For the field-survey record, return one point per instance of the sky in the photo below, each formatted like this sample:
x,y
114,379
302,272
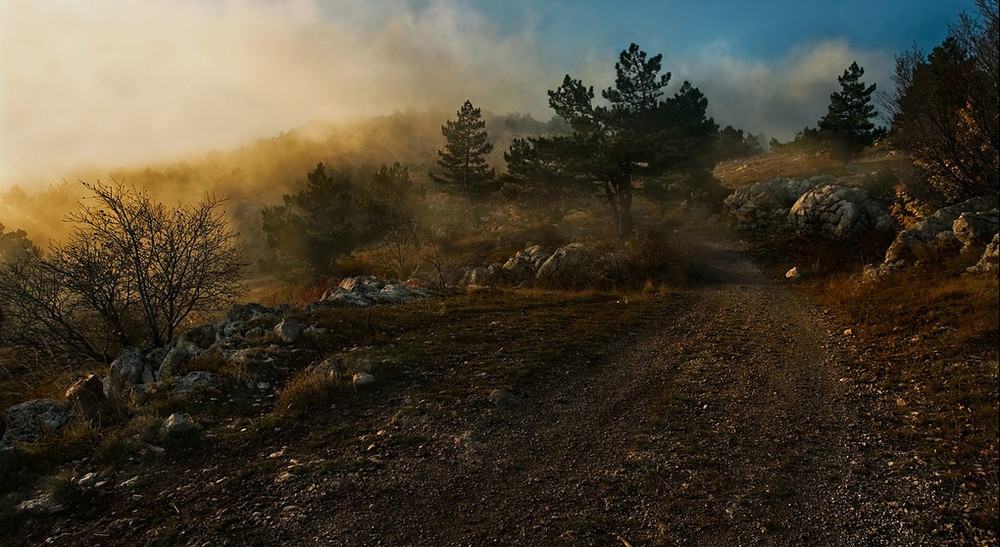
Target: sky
x,y
113,82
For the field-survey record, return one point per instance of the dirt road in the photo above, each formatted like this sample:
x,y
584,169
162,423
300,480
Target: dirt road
x,y
733,422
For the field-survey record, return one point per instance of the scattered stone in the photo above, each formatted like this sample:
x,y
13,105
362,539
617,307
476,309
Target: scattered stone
x,y
178,425
849,332
289,331
86,398
363,379
130,369
193,382
198,338
794,273
29,421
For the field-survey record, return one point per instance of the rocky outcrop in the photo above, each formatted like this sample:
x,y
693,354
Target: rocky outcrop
x,y
765,205
935,231
990,261
129,370
524,265
976,229
366,290
577,266
836,211
29,422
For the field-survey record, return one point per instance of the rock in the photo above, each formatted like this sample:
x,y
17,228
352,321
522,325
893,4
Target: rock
x,y
836,211
197,338
243,317
480,276
332,366
130,369
848,332
177,426
990,261
501,399
364,291
913,243
793,273
523,266
363,379
193,382
289,331
28,422
86,398
176,358
765,205
976,229
577,266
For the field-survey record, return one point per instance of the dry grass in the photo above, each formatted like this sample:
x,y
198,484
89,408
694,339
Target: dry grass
x,y
932,341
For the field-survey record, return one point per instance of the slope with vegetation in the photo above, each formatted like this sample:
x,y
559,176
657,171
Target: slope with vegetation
x,y
858,405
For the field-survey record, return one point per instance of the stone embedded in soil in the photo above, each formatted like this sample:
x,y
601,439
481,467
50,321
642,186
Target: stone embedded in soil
x,y
363,379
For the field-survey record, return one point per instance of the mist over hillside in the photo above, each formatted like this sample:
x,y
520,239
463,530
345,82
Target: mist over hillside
x,y
258,173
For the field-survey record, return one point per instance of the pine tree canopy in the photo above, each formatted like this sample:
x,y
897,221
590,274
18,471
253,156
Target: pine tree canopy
x,y
848,118
465,168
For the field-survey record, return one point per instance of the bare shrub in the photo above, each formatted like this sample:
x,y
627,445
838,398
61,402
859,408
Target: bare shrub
x,y
130,274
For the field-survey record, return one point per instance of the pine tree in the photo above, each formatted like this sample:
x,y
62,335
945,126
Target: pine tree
x,y
465,169
848,119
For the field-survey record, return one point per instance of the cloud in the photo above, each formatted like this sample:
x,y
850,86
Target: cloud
x,y
108,82
781,97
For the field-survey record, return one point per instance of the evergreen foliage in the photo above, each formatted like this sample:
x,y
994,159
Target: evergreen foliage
x,y
465,171
847,124
636,137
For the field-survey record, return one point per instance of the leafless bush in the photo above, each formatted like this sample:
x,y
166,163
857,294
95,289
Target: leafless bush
x,y
131,272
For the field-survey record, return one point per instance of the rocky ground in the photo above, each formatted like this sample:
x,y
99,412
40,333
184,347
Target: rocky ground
x,y
735,419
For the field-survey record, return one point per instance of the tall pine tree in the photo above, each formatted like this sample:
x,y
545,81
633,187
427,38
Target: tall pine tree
x,y
465,169
847,123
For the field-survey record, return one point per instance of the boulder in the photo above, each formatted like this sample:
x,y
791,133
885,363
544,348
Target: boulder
x,y
176,358
289,331
194,381
912,243
130,369
363,379
28,422
178,426
198,338
765,205
524,265
86,398
480,276
976,229
990,261
577,266
836,211
794,273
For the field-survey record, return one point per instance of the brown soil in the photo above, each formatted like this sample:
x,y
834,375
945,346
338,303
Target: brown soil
x,y
734,421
